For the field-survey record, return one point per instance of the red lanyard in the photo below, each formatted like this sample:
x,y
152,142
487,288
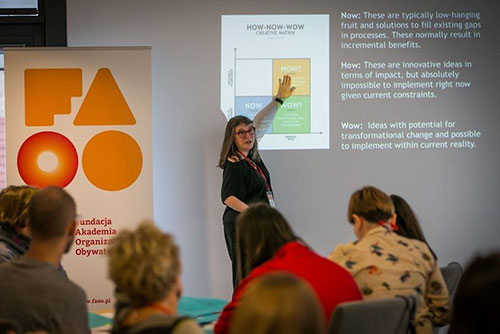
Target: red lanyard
x,y
392,226
256,168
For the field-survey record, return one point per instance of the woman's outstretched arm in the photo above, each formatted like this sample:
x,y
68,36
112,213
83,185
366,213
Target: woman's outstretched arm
x,y
264,118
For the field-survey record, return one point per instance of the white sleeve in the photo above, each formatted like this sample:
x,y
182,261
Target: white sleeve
x,y
264,118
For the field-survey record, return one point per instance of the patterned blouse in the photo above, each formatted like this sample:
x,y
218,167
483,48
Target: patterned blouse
x,y
385,264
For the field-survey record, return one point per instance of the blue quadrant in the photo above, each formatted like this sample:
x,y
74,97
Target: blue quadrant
x,y
249,106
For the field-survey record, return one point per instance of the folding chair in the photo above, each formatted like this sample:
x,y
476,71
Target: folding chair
x,y
452,274
388,316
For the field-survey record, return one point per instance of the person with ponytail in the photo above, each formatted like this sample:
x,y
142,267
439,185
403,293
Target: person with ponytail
x,y
385,264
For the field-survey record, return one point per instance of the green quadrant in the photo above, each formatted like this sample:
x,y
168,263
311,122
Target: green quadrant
x,y
294,116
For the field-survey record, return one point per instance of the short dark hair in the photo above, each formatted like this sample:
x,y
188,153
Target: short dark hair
x,y
260,232
50,211
476,305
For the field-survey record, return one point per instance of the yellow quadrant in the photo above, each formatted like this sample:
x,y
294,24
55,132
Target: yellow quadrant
x,y
298,69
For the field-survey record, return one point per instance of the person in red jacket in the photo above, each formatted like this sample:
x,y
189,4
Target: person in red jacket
x,y
266,243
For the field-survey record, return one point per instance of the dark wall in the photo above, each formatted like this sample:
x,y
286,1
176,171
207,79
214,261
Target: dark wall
x,y
42,26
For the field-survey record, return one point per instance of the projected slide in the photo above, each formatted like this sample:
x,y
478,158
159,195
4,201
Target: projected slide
x,y
256,50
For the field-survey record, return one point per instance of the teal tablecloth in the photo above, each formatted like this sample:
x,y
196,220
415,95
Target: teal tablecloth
x,y
97,320
203,310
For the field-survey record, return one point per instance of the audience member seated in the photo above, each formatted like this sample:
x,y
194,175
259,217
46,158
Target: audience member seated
x,y
407,221
14,233
477,300
385,264
34,294
265,243
145,267
279,303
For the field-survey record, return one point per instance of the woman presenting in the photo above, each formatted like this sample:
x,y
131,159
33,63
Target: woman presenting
x,y
246,179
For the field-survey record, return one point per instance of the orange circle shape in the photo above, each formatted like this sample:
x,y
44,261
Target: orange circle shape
x,y
52,142
112,160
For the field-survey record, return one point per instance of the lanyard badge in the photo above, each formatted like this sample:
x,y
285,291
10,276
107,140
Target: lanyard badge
x,y
269,193
270,198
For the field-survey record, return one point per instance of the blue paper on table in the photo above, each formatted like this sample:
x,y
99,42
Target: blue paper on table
x,y
203,310
96,320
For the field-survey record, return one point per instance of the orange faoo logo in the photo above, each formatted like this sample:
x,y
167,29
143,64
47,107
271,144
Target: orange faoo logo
x,y
111,160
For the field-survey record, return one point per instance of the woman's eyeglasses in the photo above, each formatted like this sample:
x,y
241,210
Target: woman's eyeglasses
x,y
242,133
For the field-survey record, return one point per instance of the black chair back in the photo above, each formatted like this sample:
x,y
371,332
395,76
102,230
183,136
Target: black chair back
x,y
388,316
452,274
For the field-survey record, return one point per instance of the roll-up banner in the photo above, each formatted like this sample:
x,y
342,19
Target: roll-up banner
x,y
80,118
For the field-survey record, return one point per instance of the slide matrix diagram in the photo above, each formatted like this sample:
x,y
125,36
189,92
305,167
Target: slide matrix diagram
x,y
257,50
294,116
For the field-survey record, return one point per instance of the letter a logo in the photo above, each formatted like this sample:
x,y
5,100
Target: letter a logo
x,y
104,103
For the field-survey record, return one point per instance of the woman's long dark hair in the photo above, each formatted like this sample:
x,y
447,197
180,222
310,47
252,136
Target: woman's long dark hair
x,y
407,221
229,147
260,232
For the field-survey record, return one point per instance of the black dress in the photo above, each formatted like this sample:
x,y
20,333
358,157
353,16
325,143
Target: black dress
x,y
242,181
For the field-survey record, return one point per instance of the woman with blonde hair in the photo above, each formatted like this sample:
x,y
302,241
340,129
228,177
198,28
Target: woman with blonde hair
x,y
279,303
385,264
145,267
14,230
